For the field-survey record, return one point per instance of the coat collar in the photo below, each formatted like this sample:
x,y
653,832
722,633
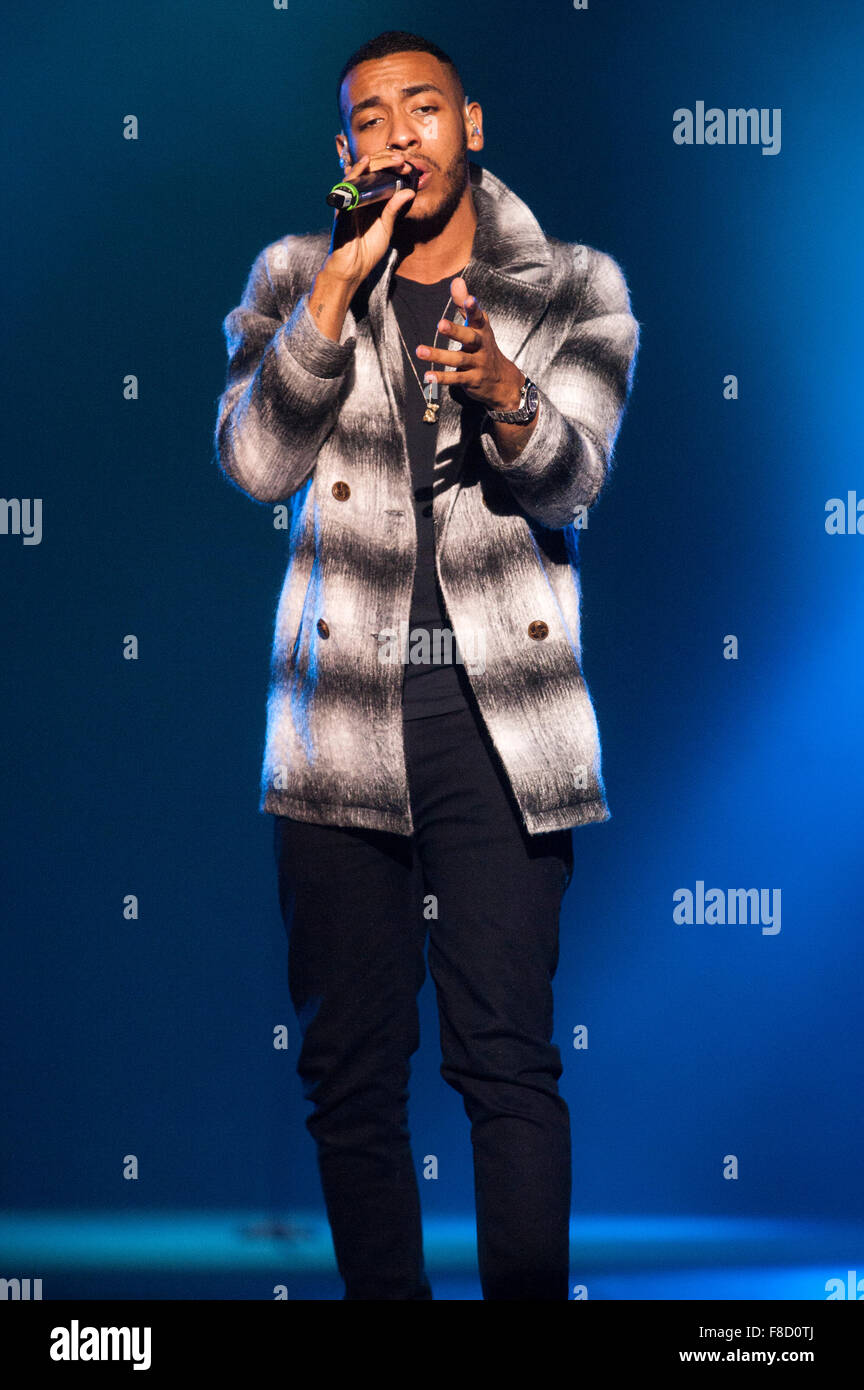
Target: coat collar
x,y
509,272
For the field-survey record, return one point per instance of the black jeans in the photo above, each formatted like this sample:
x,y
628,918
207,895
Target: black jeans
x,y
357,906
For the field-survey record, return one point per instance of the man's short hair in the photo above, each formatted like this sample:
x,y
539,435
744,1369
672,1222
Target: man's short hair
x,y
396,41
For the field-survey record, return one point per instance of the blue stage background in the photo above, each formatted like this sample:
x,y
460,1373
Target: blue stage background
x,y
154,1037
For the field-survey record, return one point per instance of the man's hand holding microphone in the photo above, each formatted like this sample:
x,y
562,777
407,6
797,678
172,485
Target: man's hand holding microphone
x,y
358,242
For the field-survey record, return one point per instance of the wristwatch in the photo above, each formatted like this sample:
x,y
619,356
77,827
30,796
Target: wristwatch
x,y
524,413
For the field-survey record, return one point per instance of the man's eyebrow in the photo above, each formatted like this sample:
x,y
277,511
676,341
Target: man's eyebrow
x,y
406,92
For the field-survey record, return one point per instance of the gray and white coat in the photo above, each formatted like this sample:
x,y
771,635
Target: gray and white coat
x,y
318,425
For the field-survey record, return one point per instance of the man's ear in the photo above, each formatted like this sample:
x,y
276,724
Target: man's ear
x,y
473,117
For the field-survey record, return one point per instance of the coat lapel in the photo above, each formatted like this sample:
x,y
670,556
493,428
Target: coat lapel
x,y
509,273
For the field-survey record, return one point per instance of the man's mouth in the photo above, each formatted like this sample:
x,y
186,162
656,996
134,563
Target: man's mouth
x,y
425,174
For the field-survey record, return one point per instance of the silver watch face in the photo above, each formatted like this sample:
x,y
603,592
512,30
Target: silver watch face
x,y
532,398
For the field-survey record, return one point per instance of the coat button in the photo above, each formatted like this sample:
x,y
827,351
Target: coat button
x,y
323,628
538,629
341,491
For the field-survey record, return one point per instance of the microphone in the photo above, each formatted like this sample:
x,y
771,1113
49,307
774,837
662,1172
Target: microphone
x,y
371,188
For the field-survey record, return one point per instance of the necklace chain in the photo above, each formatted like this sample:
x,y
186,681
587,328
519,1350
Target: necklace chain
x,y
430,415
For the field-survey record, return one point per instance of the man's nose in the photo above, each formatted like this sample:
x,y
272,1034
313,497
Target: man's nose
x,y
400,138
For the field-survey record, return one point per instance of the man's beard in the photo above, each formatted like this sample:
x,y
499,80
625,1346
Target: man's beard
x,y
420,229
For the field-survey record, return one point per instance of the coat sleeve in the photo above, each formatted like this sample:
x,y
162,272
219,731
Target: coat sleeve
x,y
283,389
583,392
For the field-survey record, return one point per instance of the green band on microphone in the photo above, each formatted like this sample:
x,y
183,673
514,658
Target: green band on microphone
x,y
352,190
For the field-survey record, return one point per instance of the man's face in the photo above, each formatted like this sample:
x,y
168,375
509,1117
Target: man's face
x,y
410,102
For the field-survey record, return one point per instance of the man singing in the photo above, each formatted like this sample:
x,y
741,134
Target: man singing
x,y
433,390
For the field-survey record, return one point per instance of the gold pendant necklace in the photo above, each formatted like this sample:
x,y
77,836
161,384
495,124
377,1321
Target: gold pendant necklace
x,y
430,414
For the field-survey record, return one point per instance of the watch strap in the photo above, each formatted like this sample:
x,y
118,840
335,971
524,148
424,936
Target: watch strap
x,y
521,415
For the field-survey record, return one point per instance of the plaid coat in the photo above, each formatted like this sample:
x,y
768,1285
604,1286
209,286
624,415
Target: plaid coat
x,y
318,425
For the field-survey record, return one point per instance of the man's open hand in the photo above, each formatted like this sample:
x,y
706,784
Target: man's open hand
x,y
482,370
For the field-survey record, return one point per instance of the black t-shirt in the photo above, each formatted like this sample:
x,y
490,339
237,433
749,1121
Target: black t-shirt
x,y
435,681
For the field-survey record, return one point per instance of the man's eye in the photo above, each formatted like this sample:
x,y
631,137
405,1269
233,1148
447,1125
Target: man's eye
x,y
365,124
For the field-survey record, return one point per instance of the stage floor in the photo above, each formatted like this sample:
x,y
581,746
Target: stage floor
x,y
247,1255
